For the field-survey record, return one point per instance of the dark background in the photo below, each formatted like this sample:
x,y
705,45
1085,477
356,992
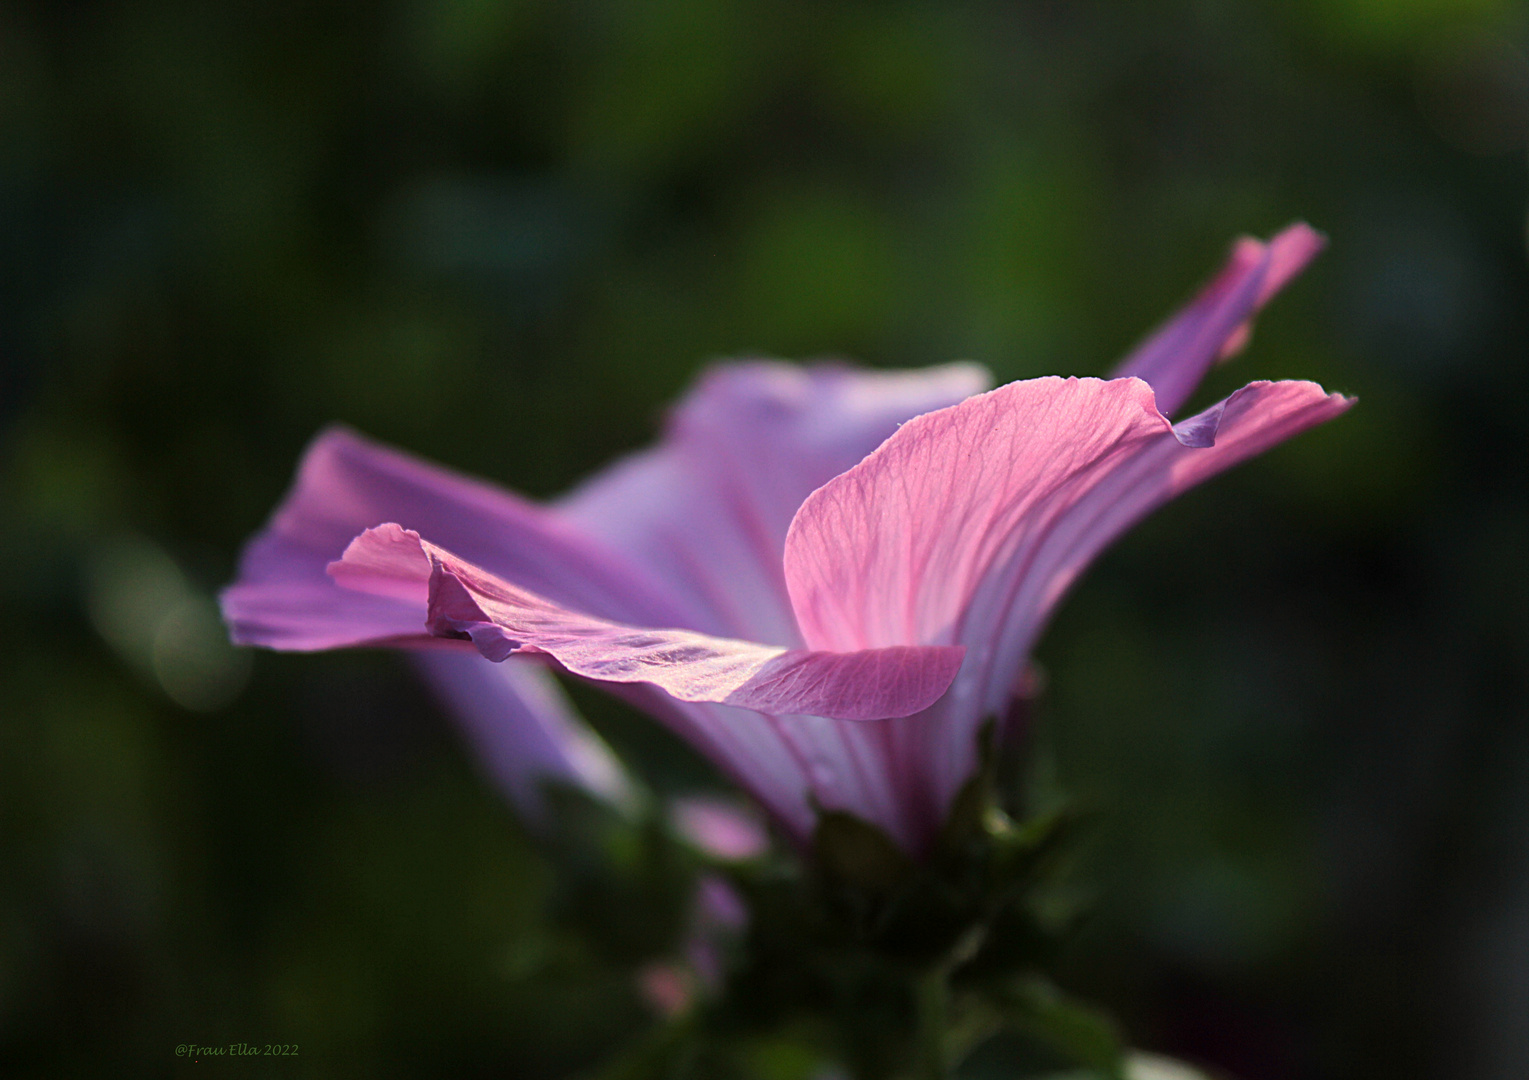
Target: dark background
x,y
504,235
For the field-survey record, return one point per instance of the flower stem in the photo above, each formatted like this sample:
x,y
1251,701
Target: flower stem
x,y
933,990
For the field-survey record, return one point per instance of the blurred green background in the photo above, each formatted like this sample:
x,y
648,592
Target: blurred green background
x,y
504,235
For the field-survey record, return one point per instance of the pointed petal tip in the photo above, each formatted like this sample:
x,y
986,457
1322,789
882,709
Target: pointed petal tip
x,y
1198,431
1289,252
1300,234
1218,322
337,429
334,438
1293,404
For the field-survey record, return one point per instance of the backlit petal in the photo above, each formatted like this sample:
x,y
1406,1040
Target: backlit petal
x,y
706,511
514,713
1217,322
968,525
501,619
283,599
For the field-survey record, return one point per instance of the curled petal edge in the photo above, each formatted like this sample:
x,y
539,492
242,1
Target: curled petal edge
x,y
463,601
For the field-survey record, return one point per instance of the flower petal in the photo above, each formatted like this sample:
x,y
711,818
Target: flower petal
x,y
502,619
1217,322
968,525
707,510
793,765
283,599
524,729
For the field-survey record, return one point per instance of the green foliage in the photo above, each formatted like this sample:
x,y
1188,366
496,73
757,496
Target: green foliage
x,y
890,966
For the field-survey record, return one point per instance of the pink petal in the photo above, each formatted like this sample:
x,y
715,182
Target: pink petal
x,y
283,599
524,729
968,525
502,619
288,610
791,764
718,905
707,510
1217,322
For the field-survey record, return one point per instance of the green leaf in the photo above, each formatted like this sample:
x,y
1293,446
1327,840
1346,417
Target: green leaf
x,y
1039,1009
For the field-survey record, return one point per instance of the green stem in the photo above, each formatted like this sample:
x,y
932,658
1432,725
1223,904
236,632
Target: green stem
x,y
941,1044
933,990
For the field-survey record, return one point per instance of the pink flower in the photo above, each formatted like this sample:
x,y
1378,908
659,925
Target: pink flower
x,y
824,578
722,830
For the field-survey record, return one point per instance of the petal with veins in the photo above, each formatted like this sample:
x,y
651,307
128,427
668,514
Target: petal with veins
x,y
284,600
501,619
706,511
969,524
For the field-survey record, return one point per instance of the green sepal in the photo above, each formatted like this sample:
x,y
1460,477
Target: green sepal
x,y
853,854
964,820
